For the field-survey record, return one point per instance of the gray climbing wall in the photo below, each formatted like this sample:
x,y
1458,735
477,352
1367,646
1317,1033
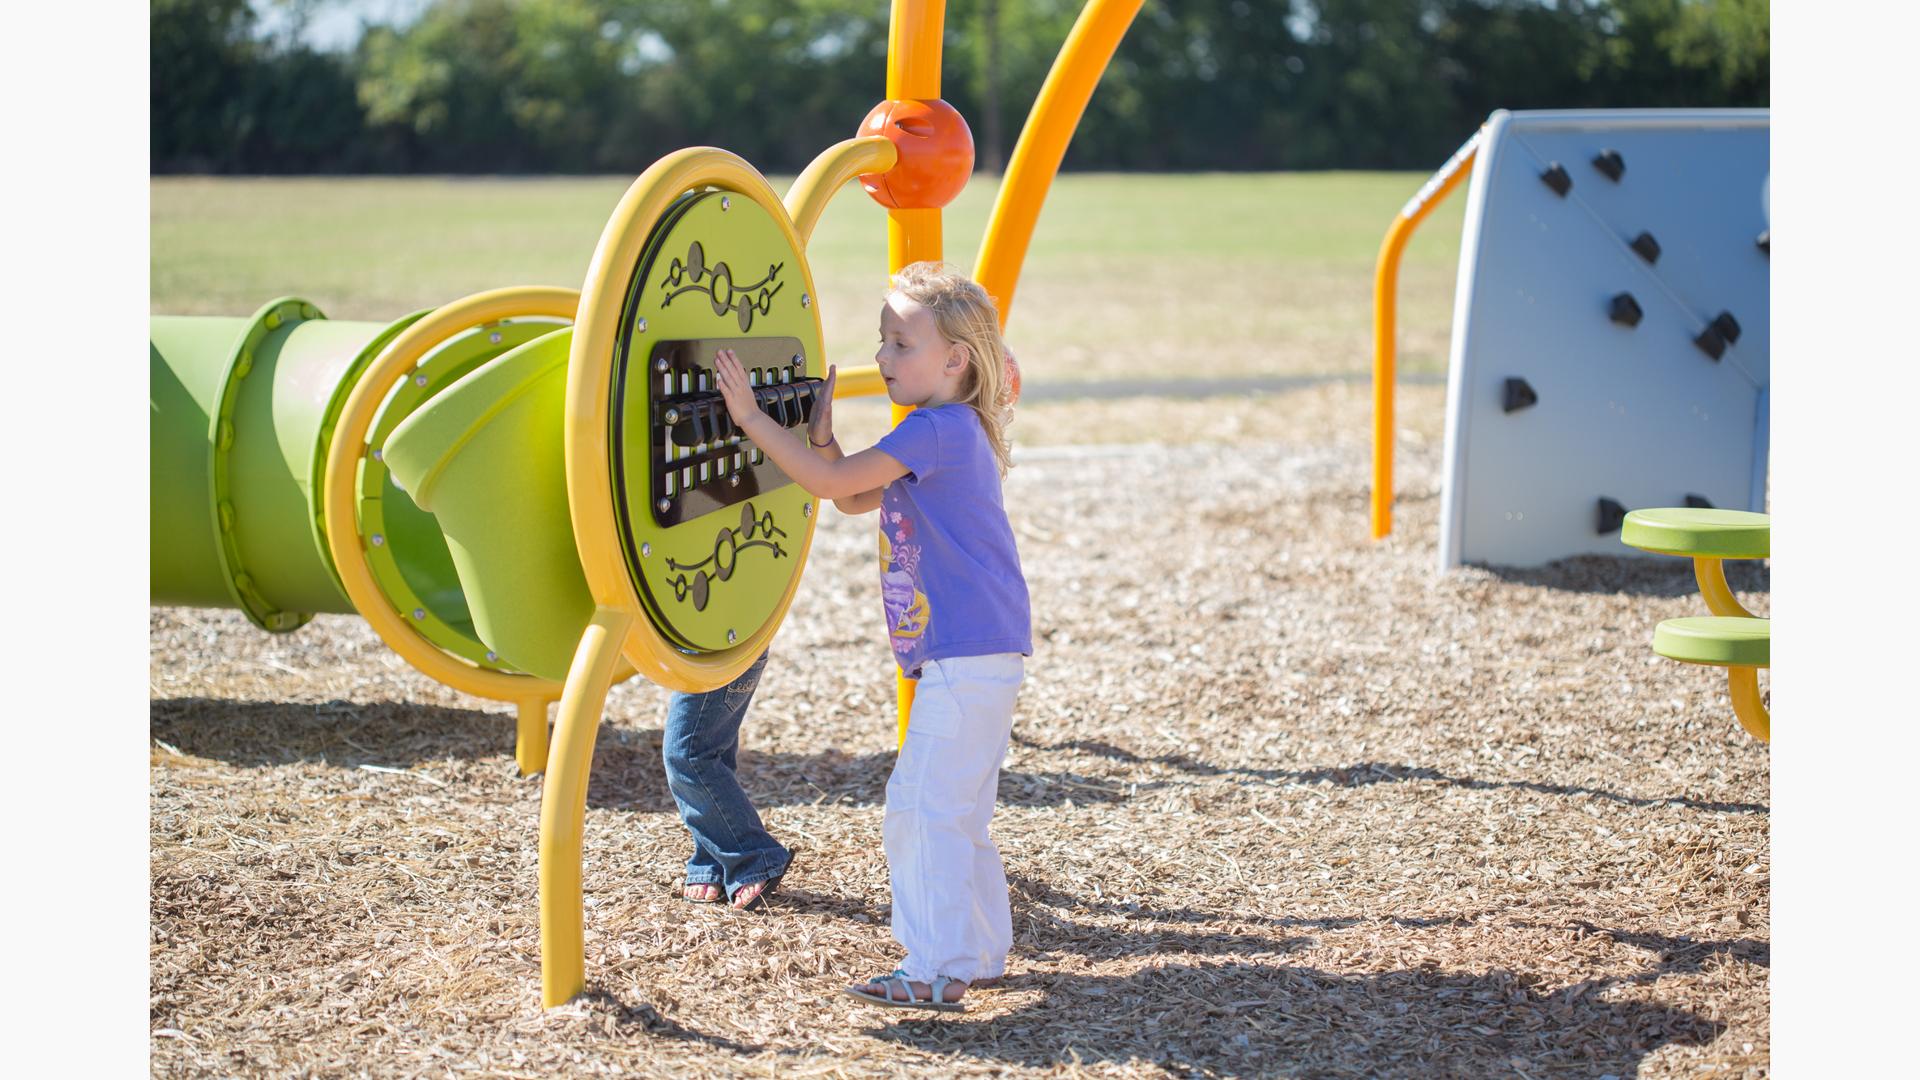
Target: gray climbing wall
x,y
1564,398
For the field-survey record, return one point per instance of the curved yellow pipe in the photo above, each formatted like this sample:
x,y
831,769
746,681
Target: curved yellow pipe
x,y
1743,686
862,381
1043,142
563,806
829,173
1711,575
344,457
1386,287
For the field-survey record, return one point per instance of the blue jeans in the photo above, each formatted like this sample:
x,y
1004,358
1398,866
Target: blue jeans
x,y
702,739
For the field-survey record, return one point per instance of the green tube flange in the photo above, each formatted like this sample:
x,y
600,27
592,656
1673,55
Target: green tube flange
x,y
286,311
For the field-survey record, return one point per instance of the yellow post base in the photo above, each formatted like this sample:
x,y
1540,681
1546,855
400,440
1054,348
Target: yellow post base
x,y
1743,685
563,807
530,747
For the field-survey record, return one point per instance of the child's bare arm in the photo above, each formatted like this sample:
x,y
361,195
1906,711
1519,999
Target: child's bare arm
x,y
864,503
848,477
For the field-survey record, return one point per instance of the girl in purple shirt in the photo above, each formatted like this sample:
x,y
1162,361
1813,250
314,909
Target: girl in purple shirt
x,y
956,613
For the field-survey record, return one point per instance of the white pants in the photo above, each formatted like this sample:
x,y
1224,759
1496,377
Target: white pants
x,y
950,907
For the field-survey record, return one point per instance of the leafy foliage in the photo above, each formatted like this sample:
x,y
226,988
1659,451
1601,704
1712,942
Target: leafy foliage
x,y
610,85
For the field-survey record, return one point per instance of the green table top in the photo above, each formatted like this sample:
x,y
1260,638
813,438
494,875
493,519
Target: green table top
x,y
1714,639
1718,534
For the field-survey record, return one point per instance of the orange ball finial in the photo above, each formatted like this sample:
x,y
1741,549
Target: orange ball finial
x,y
936,154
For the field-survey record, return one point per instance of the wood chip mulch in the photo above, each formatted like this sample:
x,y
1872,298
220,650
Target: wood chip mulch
x,y
1281,802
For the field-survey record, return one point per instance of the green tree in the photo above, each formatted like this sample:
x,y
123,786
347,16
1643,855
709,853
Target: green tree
x,y
200,52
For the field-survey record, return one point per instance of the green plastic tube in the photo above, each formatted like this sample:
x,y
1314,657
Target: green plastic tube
x,y
240,414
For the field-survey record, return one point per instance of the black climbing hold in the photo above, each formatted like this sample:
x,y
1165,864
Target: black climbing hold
x,y
1557,179
1698,502
1609,516
1763,240
1611,163
1625,310
1728,326
1711,343
1515,395
1646,247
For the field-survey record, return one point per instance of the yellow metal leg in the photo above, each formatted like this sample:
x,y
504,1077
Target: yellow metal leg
x,y
1743,685
563,807
1712,578
530,749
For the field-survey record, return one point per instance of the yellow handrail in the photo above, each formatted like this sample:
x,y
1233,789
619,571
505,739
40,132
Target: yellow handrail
x,y
1386,282
828,173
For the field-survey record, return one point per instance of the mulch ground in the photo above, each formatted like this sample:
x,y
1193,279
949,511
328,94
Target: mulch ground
x,y
1281,802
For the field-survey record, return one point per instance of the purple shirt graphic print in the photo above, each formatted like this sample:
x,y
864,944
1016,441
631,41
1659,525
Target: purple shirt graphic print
x,y
950,580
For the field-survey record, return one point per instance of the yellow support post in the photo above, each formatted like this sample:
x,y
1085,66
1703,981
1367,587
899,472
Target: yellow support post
x,y
1743,686
914,32
1386,287
1043,142
913,74
563,806
1711,575
530,748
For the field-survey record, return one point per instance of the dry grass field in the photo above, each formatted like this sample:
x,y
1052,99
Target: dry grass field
x,y
1280,802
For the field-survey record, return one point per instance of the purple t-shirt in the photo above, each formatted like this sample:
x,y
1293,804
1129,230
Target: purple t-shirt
x,y
950,580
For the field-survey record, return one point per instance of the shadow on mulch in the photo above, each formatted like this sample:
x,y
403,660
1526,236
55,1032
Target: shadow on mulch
x,y
253,734
1632,576
642,1017
1261,1019
1365,773
627,774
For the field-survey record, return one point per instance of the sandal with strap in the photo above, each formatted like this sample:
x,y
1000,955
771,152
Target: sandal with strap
x,y
767,889
936,999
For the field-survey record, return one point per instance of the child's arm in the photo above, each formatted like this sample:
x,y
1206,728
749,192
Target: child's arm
x,y
851,477
820,438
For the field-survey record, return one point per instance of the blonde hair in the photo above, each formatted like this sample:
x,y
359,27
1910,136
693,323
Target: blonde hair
x,y
967,316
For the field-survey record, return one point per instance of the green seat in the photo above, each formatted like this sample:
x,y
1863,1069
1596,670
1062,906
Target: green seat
x,y
1701,533
1721,640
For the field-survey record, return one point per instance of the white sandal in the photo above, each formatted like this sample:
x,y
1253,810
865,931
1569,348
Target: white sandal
x,y
936,999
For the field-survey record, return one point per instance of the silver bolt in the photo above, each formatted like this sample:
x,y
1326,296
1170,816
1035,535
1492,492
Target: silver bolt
x,y
494,337
734,480
731,636
378,455
798,360
806,510
664,505
805,300
672,416
646,550
726,203
419,613
419,380
378,540
492,657
660,366
639,326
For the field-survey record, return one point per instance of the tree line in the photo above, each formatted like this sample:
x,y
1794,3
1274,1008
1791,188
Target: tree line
x,y
608,86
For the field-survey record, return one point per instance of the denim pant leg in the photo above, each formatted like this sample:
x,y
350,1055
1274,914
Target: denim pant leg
x,y
699,747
